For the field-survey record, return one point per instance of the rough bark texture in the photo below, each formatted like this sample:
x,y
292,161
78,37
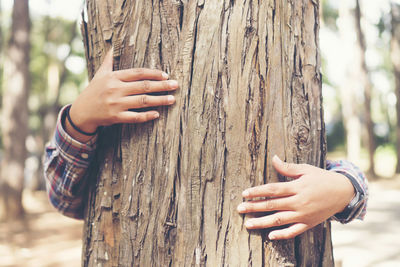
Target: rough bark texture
x,y
367,86
166,192
395,56
14,121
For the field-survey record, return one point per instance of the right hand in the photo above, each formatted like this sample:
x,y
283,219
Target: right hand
x,y
111,94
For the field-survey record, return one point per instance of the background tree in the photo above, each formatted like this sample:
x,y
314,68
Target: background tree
x,y
395,56
51,75
167,191
349,87
364,77
15,112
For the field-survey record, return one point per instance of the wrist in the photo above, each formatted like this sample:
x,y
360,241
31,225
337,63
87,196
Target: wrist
x,y
350,211
73,130
347,191
79,120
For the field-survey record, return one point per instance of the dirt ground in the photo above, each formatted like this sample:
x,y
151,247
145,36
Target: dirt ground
x,y
44,239
374,242
48,239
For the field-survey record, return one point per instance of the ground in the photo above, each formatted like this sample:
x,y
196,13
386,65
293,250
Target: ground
x,y
44,239
375,241
48,239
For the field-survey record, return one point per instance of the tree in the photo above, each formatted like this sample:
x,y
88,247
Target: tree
x,y
15,112
395,57
165,193
349,86
367,86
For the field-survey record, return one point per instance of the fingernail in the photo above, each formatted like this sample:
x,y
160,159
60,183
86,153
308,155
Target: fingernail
x,y
156,115
248,224
165,75
271,236
277,159
241,208
245,193
173,83
171,99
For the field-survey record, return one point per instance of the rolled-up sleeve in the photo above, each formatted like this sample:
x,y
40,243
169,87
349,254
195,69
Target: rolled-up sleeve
x,y
66,162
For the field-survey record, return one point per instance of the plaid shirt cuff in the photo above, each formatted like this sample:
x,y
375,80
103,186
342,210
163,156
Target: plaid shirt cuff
x,y
348,169
65,166
80,154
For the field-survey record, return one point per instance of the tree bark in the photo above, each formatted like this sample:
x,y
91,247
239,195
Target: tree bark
x,y
15,112
395,56
165,193
367,86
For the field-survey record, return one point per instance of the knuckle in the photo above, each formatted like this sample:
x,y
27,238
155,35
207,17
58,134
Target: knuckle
x,y
304,203
113,75
166,84
111,85
289,166
109,102
144,100
146,86
148,117
270,204
271,188
135,118
139,71
277,221
113,117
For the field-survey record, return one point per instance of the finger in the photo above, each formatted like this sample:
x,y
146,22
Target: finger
x,y
143,101
288,169
137,117
136,74
274,220
265,205
270,190
107,65
144,87
290,232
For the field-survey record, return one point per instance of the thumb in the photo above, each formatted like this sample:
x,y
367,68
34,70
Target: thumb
x,y
287,169
107,65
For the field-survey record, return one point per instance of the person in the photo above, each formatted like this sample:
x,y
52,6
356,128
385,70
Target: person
x,y
315,194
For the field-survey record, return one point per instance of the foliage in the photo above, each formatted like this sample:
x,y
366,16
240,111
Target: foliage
x,y
329,14
53,42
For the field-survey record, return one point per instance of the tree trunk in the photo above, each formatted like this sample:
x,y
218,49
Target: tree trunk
x,y
367,86
15,112
395,56
349,87
166,192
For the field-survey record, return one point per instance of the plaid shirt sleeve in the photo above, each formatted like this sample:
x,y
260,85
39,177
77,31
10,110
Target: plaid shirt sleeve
x,y
348,168
65,164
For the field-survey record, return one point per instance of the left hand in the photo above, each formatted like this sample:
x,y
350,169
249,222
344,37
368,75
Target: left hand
x,y
314,196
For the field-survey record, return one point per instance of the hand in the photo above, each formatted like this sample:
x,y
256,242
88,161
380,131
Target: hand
x,y
111,94
313,197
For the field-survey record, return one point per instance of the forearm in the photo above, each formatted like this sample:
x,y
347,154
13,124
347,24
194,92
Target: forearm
x,y
65,167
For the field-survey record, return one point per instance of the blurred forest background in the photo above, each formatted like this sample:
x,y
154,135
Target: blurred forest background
x,y
43,68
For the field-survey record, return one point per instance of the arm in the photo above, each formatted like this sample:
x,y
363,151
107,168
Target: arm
x,y
65,164
109,98
314,196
